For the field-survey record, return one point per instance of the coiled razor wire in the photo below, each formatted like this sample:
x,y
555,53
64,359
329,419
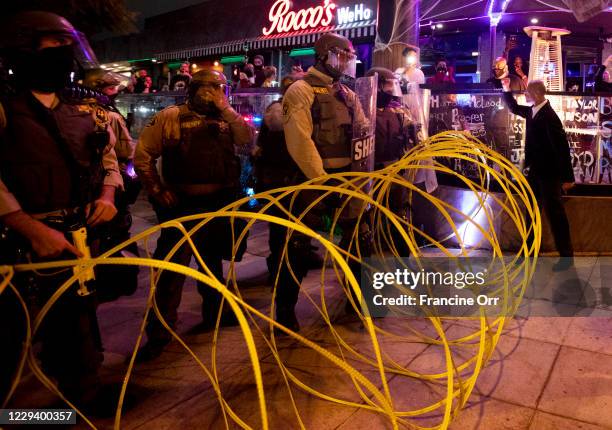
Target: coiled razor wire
x,y
371,191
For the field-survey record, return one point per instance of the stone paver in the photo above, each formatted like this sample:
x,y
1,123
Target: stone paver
x,y
518,370
580,387
484,413
592,333
544,421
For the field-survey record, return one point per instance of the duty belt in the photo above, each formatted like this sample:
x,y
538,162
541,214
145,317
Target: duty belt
x,y
62,219
60,213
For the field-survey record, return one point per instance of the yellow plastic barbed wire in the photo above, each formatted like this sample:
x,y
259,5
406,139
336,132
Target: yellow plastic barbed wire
x,y
372,193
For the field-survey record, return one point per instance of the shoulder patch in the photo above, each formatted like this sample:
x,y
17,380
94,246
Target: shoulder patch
x,y
98,113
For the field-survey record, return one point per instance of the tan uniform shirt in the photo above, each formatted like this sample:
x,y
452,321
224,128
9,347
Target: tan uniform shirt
x,y
8,202
125,145
163,128
298,126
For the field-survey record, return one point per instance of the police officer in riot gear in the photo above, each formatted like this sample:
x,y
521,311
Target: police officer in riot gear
x,y
396,134
58,173
319,115
274,168
199,173
115,281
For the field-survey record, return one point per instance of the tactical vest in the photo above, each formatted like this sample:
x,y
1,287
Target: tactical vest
x,y
391,138
332,121
44,174
204,154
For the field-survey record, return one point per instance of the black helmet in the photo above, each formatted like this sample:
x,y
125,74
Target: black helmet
x,y
20,35
39,66
22,31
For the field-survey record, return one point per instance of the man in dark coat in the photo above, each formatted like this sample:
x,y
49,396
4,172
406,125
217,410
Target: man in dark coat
x,y
547,156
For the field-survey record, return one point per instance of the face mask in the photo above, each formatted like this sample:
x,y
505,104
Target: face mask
x,y
383,99
47,70
203,104
386,100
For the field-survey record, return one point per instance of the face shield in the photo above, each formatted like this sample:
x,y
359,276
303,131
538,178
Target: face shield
x,y
344,62
83,53
391,87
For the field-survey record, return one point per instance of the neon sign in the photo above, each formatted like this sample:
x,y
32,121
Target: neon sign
x,y
357,13
283,20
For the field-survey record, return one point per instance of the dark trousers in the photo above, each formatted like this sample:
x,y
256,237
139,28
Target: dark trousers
x,y
209,241
548,195
69,335
398,204
298,249
270,177
277,235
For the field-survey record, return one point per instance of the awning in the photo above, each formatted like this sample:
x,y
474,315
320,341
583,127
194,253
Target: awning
x,y
295,38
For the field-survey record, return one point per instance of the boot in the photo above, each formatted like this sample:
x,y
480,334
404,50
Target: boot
x,y
564,263
209,317
152,349
285,315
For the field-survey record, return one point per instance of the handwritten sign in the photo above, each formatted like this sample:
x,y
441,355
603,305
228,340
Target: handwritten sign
x,y
483,115
580,115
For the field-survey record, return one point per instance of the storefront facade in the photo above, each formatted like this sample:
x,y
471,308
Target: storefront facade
x,y
284,32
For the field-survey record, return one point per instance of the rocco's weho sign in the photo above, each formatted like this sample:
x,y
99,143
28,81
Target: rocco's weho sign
x,y
282,19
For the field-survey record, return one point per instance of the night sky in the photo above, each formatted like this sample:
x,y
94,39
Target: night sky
x,y
147,8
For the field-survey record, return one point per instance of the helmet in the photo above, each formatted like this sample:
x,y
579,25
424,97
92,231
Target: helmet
x,y
329,41
388,81
21,34
206,77
23,30
337,53
100,79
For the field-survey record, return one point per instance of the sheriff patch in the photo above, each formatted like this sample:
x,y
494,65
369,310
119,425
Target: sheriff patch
x,y
100,116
